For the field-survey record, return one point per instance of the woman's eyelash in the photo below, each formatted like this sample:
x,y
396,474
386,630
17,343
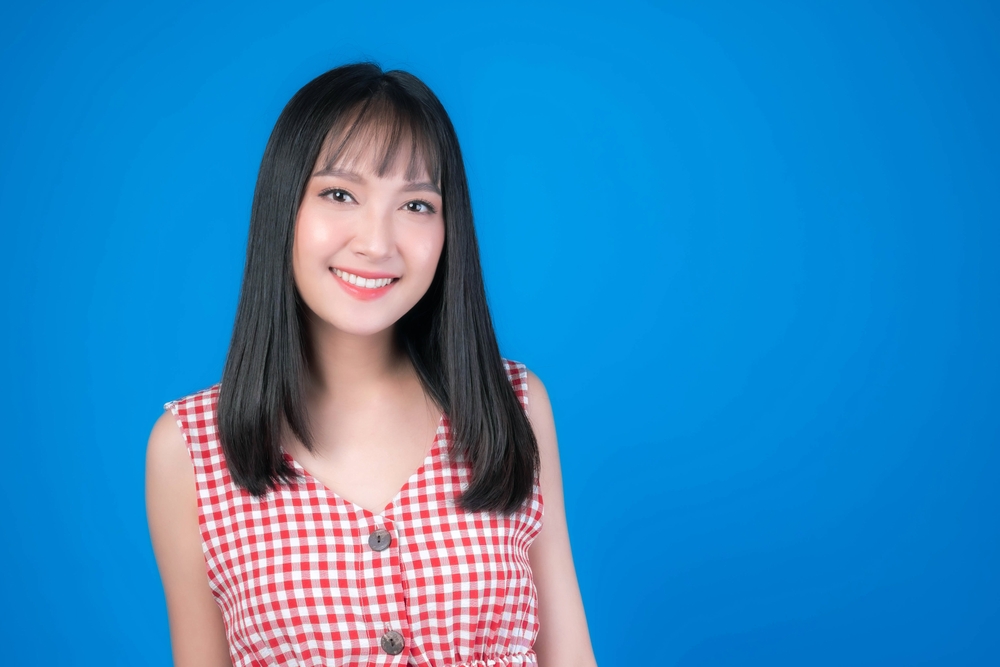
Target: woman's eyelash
x,y
430,209
330,191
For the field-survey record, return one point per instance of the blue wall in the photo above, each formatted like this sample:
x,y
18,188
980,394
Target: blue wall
x,y
751,250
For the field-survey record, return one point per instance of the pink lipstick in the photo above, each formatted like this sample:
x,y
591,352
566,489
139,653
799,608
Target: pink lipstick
x,y
364,293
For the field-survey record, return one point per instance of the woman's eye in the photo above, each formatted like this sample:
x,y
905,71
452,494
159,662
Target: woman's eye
x,y
427,208
336,194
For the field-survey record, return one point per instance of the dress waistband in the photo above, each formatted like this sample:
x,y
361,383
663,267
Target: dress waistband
x,y
526,659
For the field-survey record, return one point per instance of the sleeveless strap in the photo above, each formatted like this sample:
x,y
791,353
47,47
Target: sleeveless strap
x,y
517,373
195,415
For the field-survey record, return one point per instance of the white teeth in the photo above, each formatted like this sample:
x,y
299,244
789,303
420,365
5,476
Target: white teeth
x,y
369,283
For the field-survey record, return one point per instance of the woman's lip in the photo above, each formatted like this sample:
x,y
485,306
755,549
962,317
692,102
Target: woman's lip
x,y
362,293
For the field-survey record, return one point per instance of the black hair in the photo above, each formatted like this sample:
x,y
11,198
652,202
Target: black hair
x,y
448,335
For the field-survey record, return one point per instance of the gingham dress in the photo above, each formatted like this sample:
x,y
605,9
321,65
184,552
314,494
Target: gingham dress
x,y
300,584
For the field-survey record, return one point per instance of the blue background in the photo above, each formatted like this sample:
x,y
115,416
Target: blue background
x,y
750,248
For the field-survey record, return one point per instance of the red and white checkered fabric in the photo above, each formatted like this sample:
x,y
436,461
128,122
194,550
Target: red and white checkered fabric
x,y
299,585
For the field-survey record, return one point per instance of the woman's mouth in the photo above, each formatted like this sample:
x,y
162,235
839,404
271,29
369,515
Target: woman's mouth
x,y
363,288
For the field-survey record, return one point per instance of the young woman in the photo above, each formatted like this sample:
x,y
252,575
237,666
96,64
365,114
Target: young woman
x,y
366,484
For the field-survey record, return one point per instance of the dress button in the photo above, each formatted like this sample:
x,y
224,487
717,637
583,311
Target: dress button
x,y
379,540
392,642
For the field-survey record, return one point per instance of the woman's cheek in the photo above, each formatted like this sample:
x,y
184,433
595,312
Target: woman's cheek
x,y
426,247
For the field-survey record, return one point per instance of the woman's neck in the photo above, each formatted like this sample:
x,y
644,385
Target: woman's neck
x,y
353,371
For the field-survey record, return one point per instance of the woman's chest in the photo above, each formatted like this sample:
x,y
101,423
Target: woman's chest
x,y
368,465
306,570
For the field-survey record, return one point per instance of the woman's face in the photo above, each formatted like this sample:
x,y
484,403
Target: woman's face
x,y
381,230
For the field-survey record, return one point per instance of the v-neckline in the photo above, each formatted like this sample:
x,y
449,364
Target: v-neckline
x,y
410,481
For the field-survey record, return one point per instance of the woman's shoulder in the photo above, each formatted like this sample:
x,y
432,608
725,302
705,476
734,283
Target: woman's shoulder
x,y
191,418
168,464
184,453
169,474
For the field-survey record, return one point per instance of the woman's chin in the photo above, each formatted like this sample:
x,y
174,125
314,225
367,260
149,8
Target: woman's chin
x,y
356,326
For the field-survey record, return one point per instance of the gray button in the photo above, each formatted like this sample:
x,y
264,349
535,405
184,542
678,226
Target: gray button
x,y
379,540
392,642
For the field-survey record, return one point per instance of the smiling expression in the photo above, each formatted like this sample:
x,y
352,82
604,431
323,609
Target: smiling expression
x,y
380,229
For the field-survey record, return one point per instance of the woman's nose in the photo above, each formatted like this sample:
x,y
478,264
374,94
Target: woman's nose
x,y
373,237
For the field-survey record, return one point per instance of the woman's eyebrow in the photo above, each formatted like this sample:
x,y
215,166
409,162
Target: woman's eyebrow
x,y
411,186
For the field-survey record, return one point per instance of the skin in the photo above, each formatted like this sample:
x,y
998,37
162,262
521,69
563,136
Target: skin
x,y
372,420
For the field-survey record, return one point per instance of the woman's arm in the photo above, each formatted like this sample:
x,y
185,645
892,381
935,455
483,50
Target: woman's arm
x,y
197,634
563,639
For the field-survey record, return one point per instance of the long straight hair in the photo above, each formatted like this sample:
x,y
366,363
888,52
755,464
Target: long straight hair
x,y
448,335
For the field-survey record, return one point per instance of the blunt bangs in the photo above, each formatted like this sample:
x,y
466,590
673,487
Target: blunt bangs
x,y
372,135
